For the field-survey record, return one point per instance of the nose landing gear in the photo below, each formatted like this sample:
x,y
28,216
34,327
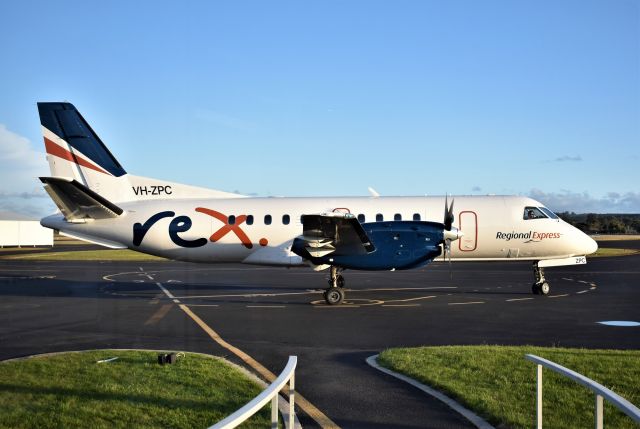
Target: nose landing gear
x,y
334,294
540,287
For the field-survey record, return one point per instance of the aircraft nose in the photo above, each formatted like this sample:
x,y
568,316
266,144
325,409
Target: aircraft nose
x,y
590,246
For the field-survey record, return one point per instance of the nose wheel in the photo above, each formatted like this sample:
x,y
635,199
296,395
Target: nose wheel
x,y
540,287
334,294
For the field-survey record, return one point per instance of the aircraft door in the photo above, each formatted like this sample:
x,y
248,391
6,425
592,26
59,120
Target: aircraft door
x,y
468,224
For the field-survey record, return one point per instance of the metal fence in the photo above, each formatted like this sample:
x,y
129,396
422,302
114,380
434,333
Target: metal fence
x,y
270,393
599,390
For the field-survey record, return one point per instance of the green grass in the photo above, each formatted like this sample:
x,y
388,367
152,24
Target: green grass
x,y
86,255
499,384
605,251
72,390
616,237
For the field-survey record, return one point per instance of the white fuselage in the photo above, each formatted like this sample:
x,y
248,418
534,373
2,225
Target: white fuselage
x,y
494,227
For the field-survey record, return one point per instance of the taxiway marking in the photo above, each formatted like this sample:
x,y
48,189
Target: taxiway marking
x,y
248,295
158,315
204,305
266,306
27,277
307,407
466,303
519,299
410,299
400,305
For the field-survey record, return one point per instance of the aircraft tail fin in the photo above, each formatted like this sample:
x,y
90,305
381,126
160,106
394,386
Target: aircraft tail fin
x,y
76,153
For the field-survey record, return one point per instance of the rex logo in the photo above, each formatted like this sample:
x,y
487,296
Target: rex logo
x,y
183,223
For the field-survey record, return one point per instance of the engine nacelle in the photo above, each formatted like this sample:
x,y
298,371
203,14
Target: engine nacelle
x,y
398,245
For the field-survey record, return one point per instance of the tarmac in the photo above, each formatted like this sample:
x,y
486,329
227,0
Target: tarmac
x,y
267,314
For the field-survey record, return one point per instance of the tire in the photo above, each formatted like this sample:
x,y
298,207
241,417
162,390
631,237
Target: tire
x,y
333,296
544,288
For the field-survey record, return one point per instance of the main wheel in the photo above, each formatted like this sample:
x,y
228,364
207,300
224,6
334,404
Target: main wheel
x,y
544,288
333,296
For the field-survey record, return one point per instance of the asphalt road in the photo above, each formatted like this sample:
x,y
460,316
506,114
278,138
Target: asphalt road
x,y
271,313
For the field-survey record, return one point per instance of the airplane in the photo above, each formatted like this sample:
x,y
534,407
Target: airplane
x,y
101,203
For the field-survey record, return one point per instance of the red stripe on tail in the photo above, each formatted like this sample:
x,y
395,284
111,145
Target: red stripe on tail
x,y
55,150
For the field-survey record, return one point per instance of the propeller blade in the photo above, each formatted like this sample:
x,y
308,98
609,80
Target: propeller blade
x,y
448,214
450,233
446,209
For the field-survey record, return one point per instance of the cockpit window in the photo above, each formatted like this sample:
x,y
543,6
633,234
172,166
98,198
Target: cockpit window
x,y
549,213
533,213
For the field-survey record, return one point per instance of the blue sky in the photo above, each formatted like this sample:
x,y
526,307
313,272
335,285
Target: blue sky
x,y
537,98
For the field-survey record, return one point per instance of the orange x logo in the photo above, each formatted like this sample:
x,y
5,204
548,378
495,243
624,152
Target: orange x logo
x,y
235,227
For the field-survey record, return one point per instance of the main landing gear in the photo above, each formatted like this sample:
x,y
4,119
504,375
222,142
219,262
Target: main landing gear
x,y
334,294
540,287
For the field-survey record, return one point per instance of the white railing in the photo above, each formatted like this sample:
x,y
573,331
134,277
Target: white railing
x,y
600,391
270,393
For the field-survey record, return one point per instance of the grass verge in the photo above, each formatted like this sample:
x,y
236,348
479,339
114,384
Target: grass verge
x,y
605,251
616,237
72,390
86,255
499,384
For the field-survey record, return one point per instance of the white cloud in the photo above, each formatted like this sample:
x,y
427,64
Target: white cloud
x,y
20,167
15,148
565,200
566,158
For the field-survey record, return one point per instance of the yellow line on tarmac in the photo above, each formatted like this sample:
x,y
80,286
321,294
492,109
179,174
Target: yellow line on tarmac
x,y
400,305
311,410
307,407
158,315
466,303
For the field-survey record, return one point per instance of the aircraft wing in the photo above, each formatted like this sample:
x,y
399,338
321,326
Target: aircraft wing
x,y
76,201
333,233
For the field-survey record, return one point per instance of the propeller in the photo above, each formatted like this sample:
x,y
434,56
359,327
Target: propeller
x,y
450,233
448,214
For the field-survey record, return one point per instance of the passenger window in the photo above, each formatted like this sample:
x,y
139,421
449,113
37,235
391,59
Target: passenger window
x,y
416,216
397,216
285,219
250,220
361,218
267,219
231,219
379,217
533,213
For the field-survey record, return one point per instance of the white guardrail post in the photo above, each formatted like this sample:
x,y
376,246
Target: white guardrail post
x,y
599,390
539,398
270,393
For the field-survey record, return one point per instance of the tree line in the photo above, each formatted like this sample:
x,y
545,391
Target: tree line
x,y
594,223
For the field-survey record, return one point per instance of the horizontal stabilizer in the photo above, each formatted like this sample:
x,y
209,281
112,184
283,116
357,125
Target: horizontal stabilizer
x,y
77,202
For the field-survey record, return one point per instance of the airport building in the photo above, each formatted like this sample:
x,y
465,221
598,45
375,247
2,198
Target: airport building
x,y
19,230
